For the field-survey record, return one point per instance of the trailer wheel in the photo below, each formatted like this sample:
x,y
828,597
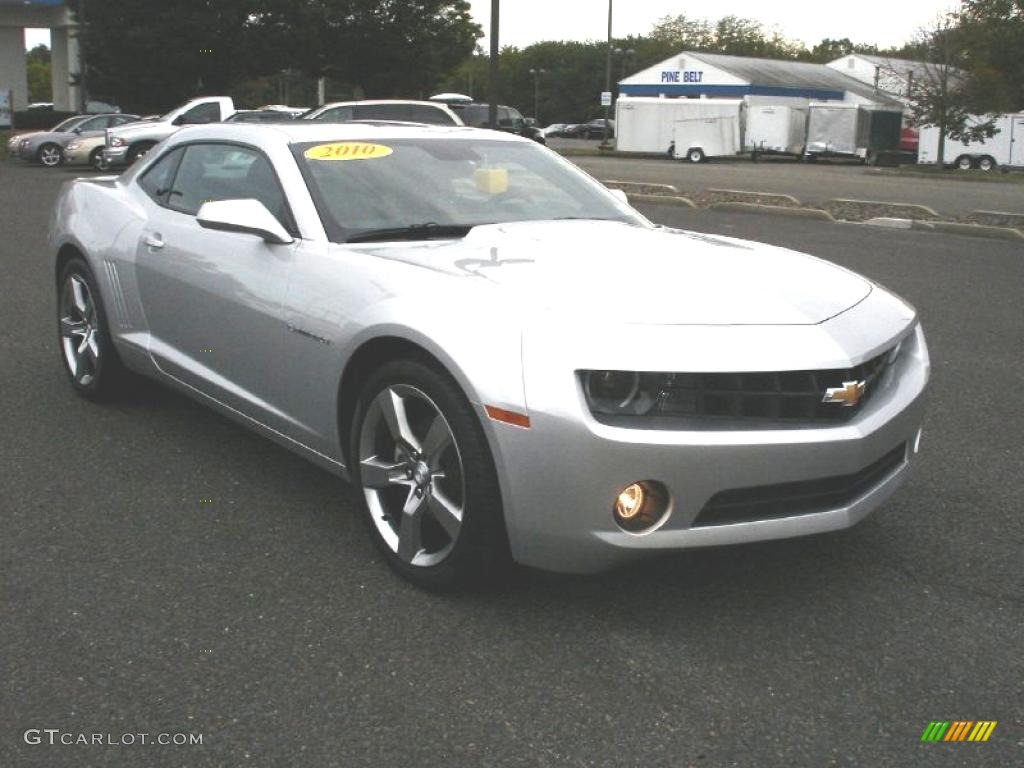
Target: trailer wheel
x,y
986,163
964,163
695,155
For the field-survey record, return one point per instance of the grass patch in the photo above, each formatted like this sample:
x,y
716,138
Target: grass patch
x,y
949,174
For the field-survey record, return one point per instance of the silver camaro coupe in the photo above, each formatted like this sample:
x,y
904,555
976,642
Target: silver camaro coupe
x,y
508,360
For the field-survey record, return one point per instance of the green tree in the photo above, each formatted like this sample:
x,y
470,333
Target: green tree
x,y
941,94
381,48
993,37
37,65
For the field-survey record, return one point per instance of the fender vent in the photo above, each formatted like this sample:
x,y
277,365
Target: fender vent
x,y
120,306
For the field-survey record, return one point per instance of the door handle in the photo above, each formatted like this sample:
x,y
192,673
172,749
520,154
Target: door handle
x,y
154,241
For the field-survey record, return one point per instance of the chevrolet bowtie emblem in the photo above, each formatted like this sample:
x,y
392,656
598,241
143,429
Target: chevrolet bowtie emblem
x,y
849,394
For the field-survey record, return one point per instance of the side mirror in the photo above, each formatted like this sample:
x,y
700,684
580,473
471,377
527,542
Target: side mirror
x,y
249,217
619,195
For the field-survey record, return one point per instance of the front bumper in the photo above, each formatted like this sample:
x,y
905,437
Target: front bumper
x,y
561,477
116,155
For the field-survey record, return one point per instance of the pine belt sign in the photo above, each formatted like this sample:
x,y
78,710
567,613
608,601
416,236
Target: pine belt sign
x,y
682,76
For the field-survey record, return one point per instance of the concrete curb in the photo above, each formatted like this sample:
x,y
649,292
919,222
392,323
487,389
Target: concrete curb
x,y
663,199
972,230
986,217
625,186
782,210
890,222
749,193
922,209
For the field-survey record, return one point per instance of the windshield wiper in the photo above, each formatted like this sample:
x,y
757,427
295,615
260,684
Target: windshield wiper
x,y
428,231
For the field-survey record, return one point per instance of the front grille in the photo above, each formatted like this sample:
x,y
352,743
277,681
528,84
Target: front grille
x,y
780,399
770,502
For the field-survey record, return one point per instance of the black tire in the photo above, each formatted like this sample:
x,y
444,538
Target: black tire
x,y
695,155
109,377
986,163
964,163
479,556
137,151
50,155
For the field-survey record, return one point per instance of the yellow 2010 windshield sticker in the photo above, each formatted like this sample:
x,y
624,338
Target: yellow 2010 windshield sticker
x,y
347,150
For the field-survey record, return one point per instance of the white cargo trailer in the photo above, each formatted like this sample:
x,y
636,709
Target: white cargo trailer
x,y
648,124
852,130
1006,148
697,139
776,129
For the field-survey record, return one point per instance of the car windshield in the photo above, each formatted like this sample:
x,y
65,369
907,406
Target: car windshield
x,y
441,184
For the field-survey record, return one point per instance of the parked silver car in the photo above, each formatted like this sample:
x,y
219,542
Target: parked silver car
x,y
47,147
499,352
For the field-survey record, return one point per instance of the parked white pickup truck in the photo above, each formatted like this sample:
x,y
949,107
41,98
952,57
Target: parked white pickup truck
x,y
128,143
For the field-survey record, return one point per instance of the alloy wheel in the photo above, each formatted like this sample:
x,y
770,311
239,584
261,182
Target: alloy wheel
x,y
412,476
78,329
50,155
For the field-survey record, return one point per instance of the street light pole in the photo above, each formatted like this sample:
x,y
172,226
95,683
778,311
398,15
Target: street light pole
x,y
492,87
608,74
536,92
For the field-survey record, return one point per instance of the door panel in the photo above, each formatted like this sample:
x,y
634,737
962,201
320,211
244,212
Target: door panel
x,y
1017,144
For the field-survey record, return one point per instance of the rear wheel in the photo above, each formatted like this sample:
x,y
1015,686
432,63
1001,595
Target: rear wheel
x,y
695,155
986,163
50,155
431,491
90,360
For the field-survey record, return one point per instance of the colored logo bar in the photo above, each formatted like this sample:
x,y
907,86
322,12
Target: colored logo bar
x,y
958,730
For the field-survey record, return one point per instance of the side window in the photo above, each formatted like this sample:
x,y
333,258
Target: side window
x,y
336,115
93,124
157,180
421,113
383,112
119,120
203,113
211,172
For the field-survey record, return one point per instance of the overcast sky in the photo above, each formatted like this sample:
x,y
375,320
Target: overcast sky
x,y
883,22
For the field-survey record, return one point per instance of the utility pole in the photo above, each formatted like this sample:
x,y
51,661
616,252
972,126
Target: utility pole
x,y
493,85
608,74
83,86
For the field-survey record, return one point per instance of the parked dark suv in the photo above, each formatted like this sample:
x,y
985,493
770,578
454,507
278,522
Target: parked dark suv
x,y
510,119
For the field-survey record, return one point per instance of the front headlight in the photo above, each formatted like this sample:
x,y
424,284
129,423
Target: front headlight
x,y
117,141
619,392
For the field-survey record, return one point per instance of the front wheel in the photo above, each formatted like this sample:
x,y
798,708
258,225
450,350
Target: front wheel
x,y
137,152
431,490
964,163
50,155
695,155
90,360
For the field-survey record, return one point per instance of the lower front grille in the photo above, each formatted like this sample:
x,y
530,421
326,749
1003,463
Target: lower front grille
x,y
770,502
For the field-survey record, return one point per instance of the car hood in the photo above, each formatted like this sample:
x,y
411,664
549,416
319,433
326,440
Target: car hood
x,y
139,127
630,274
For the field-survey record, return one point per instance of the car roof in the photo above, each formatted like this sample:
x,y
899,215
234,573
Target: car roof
x,y
301,131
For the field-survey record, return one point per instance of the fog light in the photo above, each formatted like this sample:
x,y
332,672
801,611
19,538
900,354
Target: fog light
x,y
631,502
641,507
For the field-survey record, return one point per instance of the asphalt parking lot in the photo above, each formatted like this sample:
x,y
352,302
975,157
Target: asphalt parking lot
x,y
164,570
814,183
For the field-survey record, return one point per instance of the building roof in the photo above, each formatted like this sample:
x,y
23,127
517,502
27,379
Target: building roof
x,y
799,74
905,67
